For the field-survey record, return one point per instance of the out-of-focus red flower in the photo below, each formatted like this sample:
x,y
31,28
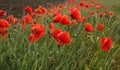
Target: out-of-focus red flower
x,y
101,15
51,26
26,20
91,13
56,13
4,24
65,20
57,18
86,6
12,19
2,13
28,9
111,13
91,5
89,27
84,18
61,37
100,27
97,6
37,30
106,43
60,6
81,3
75,13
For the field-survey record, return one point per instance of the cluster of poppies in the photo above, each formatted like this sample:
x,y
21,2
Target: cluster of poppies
x,y
74,17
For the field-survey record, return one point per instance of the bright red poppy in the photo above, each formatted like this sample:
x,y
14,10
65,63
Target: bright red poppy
x,y
75,13
106,43
57,18
61,37
89,27
37,30
65,20
4,24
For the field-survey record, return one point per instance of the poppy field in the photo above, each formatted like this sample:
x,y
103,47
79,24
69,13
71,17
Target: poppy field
x,y
75,35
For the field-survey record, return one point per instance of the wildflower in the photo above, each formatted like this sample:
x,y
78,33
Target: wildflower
x,y
81,3
37,30
61,37
106,43
57,18
4,24
2,13
65,20
12,19
51,26
111,13
89,27
75,13
100,27
28,9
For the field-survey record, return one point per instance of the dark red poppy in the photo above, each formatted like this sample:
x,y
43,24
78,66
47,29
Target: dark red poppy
x,y
100,27
75,13
81,3
111,13
2,13
106,43
89,27
101,14
28,9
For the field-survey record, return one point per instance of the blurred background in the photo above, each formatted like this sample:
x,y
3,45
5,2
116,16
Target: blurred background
x,y
16,7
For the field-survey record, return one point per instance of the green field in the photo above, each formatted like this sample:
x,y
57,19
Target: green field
x,y
83,52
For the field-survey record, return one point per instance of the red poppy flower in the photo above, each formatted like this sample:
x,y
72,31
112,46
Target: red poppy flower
x,y
84,18
61,37
75,13
2,13
106,43
81,3
101,14
111,13
100,27
56,13
4,24
89,27
12,19
28,9
97,6
91,13
65,20
37,30
51,26
27,19
57,18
